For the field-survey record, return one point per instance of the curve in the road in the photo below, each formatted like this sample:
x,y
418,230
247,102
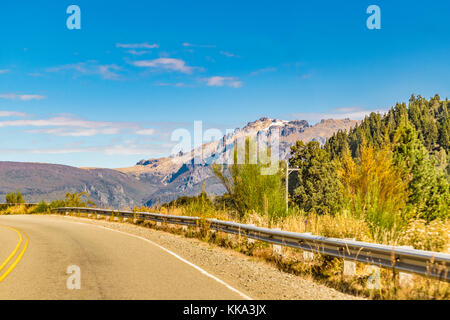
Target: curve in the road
x,y
5,263
113,264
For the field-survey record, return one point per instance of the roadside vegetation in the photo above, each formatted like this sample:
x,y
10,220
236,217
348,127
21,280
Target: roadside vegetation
x,y
15,203
385,181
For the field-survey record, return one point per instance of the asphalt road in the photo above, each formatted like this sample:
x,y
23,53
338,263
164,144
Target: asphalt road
x,y
113,265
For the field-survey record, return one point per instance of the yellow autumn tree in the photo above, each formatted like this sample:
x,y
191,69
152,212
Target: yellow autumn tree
x,y
374,188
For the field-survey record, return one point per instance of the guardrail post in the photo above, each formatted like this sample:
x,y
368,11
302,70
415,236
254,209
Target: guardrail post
x,y
307,255
113,217
213,231
349,266
374,280
250,240
405,279
276,248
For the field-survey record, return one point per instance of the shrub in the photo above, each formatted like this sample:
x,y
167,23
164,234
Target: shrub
x,y
14,198
248,188
42,207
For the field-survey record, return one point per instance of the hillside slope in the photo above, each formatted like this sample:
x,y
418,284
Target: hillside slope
x,y
38,181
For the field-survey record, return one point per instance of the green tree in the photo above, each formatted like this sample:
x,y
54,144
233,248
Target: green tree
x,y
249,189
337,144
14,198
76,199
317,187
429,189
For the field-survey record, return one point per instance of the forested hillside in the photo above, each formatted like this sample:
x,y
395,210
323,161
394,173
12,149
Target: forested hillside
x,y
430,119
389,169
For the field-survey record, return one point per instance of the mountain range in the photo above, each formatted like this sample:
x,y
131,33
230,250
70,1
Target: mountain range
x,y
155,180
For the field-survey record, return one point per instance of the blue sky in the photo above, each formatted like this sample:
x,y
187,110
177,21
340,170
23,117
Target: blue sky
x,y
111,93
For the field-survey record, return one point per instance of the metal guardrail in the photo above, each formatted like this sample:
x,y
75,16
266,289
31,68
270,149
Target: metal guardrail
x,y
426,263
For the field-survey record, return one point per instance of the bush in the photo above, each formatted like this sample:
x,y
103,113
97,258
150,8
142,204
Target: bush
x,y
14,198
42,207
374,189
248,188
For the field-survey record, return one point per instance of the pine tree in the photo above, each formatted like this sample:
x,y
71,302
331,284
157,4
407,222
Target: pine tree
x,y
317,188
429,189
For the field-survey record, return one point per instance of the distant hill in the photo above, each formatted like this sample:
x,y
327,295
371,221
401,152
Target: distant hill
x,y
153,180
38,181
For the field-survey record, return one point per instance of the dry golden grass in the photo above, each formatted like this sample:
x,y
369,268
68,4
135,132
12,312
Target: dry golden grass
x,y
17,209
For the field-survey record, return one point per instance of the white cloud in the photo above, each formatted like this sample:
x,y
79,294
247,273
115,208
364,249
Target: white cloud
x,y
35,74
56,122
90,68
218,81
132,149
71,127
62,132
137,53
65,126
187,44
106,71
5,113
306,76
145,132
4,71
166,64
261,71
166,84
228,54
80,67
137,45
126,150
23,97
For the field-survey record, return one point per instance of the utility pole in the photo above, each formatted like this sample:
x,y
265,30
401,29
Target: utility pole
x,y
287,184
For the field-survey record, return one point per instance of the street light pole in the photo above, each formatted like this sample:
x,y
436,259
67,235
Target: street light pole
x,y
287,184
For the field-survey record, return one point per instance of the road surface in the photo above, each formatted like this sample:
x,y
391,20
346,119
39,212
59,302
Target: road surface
x,y
36,251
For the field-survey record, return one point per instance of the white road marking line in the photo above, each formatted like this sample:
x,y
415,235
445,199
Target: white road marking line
x,y
206,273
